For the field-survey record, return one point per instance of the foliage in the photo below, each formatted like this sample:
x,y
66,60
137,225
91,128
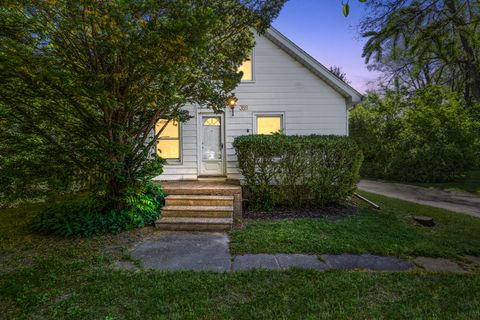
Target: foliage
x,y
92,78
426,137
421,43
471,183
346,7
27,167
86,217
338,72
297,170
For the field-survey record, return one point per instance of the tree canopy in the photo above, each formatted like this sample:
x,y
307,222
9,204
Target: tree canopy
x,y
90,78
424,42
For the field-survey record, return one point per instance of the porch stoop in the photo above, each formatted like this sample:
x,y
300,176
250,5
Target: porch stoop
x,y
199,206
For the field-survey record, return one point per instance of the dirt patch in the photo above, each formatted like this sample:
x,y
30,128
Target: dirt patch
x,y
285,212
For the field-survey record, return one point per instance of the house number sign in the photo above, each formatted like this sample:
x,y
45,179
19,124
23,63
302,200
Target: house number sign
x,y
243,107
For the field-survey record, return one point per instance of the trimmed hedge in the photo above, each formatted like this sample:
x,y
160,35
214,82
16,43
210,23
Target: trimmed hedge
x,y
298,170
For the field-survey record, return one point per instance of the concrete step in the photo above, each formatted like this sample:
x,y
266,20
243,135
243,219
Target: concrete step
x,y
198,200
201,188
212,179
198,211
194,224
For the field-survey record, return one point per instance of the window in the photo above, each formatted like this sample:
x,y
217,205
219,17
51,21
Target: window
x,y
269,123
168,144
211,122
247,69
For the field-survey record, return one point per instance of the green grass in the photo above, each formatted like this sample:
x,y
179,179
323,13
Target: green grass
x,y
471,183
72,291
389,231
45,277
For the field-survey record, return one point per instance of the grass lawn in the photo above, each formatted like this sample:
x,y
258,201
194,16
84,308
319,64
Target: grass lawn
x,y
471,183
48,277
389,231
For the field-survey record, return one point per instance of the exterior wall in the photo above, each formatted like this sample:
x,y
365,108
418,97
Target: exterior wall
x,y
281,85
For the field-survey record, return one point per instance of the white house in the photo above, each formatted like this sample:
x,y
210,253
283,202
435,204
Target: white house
x,y
283,88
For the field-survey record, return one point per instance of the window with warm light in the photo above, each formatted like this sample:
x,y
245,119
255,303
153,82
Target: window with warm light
x,y
247,69
269,124
168,144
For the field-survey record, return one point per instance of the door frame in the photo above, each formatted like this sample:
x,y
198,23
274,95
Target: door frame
x,y
200,115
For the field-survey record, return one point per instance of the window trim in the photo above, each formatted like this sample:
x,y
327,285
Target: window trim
x,y
173,161
252,57
257,115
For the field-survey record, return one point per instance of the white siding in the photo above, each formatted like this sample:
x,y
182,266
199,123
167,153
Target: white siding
x,y
281,84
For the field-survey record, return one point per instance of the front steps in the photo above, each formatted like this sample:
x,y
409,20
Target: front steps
x,y
197,212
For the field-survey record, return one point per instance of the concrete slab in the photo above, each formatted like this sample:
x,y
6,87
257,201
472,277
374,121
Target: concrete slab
x,y
366,261
185,251
439,265
300,261
255,261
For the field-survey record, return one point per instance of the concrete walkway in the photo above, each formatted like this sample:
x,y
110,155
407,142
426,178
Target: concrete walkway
x,y
177,251
457,201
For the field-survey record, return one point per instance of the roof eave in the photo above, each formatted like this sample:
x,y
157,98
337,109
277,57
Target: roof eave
x,y
351,95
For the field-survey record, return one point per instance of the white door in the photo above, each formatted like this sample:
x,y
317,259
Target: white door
x,y
211,146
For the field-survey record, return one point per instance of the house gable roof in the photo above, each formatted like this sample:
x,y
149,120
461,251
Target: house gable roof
x,y
351,95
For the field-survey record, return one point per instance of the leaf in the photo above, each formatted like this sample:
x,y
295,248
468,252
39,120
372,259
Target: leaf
x,y
346,9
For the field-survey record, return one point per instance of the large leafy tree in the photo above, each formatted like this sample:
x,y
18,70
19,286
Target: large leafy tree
x,y
423,42
91,78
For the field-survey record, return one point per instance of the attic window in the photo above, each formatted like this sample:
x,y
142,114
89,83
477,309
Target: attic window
x,y
247,69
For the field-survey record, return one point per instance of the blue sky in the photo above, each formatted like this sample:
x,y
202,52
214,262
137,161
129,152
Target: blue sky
x,y
319,27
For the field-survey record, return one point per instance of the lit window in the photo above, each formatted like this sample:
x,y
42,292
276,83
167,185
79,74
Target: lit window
x,y
211,122
269,124
168,144
247,70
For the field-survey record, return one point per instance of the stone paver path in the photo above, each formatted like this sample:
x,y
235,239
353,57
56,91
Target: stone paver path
x,y
456,201
366,261
209,252
276,261
184,251
439,265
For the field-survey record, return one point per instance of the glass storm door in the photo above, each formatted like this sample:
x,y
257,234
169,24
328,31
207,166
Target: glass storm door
x,y
211,151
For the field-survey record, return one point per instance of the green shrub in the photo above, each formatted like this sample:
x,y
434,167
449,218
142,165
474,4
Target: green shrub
x,y
86,217
427,137
297,170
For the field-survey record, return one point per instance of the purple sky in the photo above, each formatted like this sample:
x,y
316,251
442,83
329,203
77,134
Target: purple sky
x,y
319,28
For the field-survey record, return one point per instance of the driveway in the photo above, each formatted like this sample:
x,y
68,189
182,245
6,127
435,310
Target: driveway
x,y
457,201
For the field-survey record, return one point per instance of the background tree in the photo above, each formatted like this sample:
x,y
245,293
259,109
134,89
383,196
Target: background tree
x,y
428,136
426,42
90,78
338,72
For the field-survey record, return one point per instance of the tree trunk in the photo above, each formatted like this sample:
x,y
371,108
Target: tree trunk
x,y
115,193
472,68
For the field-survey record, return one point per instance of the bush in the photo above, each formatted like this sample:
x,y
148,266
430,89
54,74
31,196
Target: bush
x,y
297,170
428,137
86,217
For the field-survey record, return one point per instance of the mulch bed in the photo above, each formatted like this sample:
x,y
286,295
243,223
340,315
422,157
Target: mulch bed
x,y
284,212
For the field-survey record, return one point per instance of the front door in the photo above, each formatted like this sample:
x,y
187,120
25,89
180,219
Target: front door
x,y
211,145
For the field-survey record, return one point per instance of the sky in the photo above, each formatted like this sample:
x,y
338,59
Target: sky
x,y
319,28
